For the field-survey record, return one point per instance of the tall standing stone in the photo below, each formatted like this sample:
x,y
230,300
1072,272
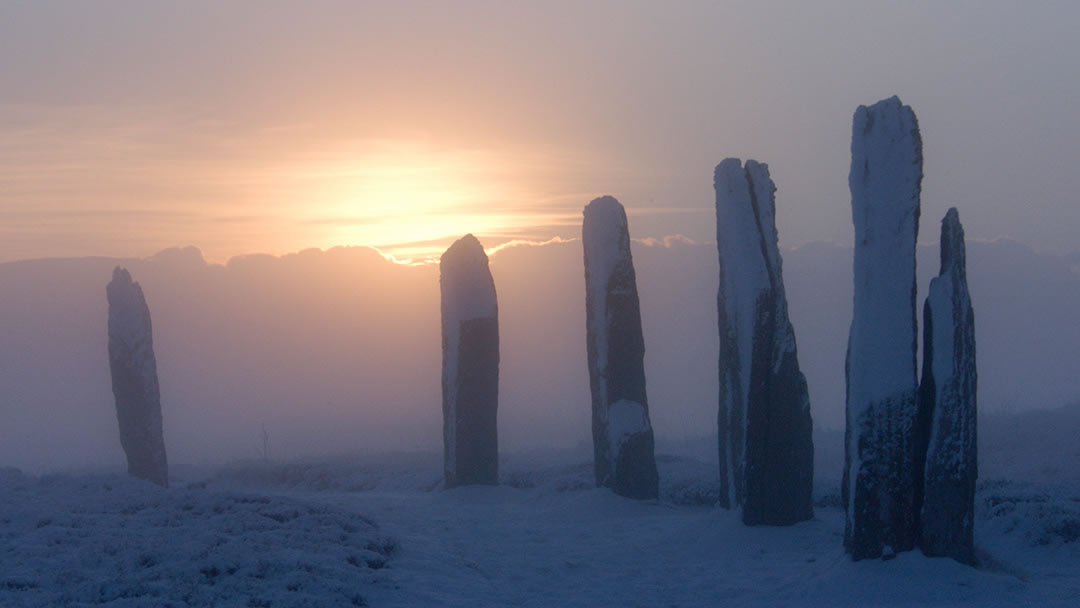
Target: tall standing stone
x,y
885,180
946,460
622,432
766,433
470,377
135,380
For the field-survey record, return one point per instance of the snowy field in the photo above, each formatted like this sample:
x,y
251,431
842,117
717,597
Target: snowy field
x,y
380,531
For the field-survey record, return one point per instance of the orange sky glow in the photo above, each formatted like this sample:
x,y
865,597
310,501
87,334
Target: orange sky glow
x,y
404,125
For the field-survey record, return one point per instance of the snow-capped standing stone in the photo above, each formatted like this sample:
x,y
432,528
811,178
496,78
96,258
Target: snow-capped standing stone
x,y
135,379
885,181
946,450
622,432
470,376
765,428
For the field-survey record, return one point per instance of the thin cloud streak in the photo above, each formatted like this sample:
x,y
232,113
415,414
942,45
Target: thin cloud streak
x,y
668,242
492,251
93,171
231,189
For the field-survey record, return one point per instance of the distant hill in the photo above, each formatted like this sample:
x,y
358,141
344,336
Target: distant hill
x,y
1037,446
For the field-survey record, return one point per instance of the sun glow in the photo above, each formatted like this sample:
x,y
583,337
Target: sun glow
x,y
410,201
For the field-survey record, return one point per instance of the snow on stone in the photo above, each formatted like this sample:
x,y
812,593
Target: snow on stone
x,y
469,304
764,419
885,182
606,238
744,277
616,350
947,454
625,419
134,379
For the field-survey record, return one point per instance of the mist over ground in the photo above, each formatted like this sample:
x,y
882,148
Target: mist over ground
x,y
339,351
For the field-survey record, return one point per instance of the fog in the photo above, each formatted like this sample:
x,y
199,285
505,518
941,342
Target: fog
x,y
338,351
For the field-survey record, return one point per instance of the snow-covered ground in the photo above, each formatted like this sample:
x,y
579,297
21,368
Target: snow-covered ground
x,y
115,541
381,531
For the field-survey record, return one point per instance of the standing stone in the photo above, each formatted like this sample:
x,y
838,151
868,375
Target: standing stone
x,y
766,433
470,378
946,457
885,180
622,432
135,380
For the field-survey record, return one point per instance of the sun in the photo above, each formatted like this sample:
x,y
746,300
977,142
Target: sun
x,y
410,199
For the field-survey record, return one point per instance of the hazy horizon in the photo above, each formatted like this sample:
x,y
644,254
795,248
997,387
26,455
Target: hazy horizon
x,y
339,351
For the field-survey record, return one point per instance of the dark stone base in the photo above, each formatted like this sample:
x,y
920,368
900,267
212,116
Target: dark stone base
x,y
779,474
950,531
149,466
884,501
476,450
635,469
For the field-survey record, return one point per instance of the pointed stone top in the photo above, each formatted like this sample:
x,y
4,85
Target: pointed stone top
x,y
468,290
898,120
886,171
893,102
729,174
754,166
604,215
122,287
128,314
605,220
953,250
467,247
727,168
605,204
121,275
733,167
889,105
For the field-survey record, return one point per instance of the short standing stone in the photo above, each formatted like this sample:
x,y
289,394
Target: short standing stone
x,y
470,377
622,432
946,456
135,380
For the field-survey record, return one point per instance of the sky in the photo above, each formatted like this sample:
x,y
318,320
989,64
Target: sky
x,y
240,127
